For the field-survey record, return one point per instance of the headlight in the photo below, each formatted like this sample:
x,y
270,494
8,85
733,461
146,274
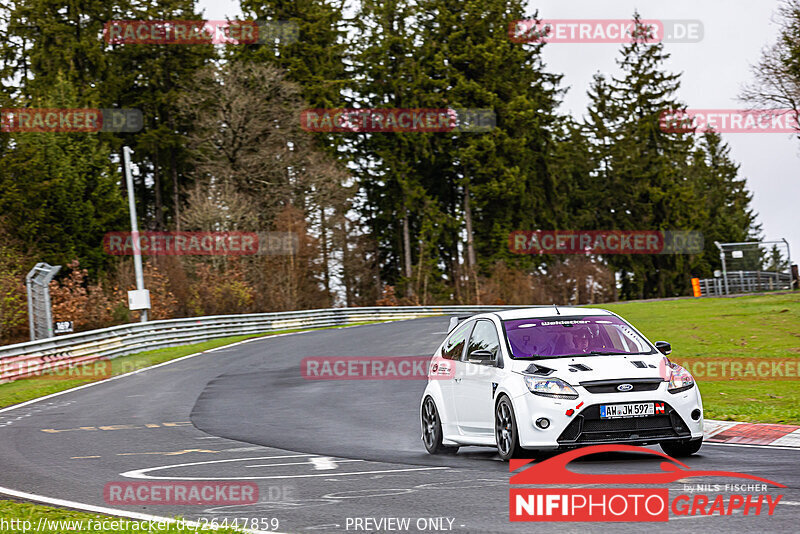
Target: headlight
x,y
550,387
679,379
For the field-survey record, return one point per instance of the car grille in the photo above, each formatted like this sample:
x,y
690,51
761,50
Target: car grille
x,y
610,386
587,427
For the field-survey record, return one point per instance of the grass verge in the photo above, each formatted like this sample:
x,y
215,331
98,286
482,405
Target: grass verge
x,y
26,517
741,328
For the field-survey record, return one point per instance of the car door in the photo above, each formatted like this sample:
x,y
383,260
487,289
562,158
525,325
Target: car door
x,y
447,367
475,382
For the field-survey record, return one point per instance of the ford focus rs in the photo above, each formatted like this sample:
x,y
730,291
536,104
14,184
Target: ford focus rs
x,y
556,378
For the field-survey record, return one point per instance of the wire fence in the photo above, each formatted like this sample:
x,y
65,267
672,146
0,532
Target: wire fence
x,y
749,267
745,282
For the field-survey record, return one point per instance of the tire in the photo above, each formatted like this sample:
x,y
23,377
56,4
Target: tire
x,y
505,430
432,429
679,449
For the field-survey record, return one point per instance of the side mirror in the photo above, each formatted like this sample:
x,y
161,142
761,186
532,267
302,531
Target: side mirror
x,y
453,324
480,356
663,347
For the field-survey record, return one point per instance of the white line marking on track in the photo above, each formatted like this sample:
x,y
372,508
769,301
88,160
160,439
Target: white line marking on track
x,y
323,463
360,494
337,474
311,461
142,473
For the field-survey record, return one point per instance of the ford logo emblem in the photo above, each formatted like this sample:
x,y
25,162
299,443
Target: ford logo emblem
x,y
624,387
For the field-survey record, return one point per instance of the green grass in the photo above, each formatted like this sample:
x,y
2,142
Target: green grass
x,y
32,388
757,401
761,326
20,512
765,326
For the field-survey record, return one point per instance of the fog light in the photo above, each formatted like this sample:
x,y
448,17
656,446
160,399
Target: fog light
x,y
543,422
696,414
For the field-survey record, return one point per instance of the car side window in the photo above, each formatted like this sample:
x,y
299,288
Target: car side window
x,y
484,337
454,347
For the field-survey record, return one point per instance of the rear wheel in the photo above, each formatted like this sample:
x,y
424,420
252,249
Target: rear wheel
x,y
432,429
677,449
505,430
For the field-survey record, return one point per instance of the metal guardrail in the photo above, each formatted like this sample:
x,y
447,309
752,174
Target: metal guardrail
x,y
34,357
745,282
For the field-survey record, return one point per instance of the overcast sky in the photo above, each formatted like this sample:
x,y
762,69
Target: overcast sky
x,y
714,69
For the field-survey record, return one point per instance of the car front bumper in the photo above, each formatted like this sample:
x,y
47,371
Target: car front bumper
x,y
574,423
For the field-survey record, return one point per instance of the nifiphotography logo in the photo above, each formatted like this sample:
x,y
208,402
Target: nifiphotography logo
x,y
628,504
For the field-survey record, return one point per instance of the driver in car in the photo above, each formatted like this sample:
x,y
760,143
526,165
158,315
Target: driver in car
x,y
581,341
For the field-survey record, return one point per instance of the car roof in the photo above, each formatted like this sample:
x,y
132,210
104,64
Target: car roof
x,y
549,311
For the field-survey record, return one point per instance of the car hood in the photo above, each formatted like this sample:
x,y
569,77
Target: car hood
x,y
583,368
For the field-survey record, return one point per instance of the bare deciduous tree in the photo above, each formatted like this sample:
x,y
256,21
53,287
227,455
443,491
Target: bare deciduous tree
x,y
248,133
257,170
777,75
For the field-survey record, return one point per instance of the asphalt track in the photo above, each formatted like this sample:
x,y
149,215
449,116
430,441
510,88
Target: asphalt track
x,y
322,452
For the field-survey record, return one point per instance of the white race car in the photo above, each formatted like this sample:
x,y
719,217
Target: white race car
x,y
551,378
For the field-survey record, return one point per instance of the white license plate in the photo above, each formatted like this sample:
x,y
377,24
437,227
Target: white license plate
x,y
633,409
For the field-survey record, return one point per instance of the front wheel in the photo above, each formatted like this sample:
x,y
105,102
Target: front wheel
x,y
505,430
432,430
678,449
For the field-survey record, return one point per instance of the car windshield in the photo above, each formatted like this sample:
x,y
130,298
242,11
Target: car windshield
x,y
591,335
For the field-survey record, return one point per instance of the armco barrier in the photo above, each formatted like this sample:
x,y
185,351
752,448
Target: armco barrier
x,y
17,361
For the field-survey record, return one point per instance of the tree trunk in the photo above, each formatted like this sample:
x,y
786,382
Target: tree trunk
x,y
347,277
419,271
176,199
157,190
123,183
324,239
144,201
407,252
472,267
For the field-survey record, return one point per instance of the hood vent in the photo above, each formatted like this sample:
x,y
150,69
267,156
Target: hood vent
x,y
540,370
575,367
